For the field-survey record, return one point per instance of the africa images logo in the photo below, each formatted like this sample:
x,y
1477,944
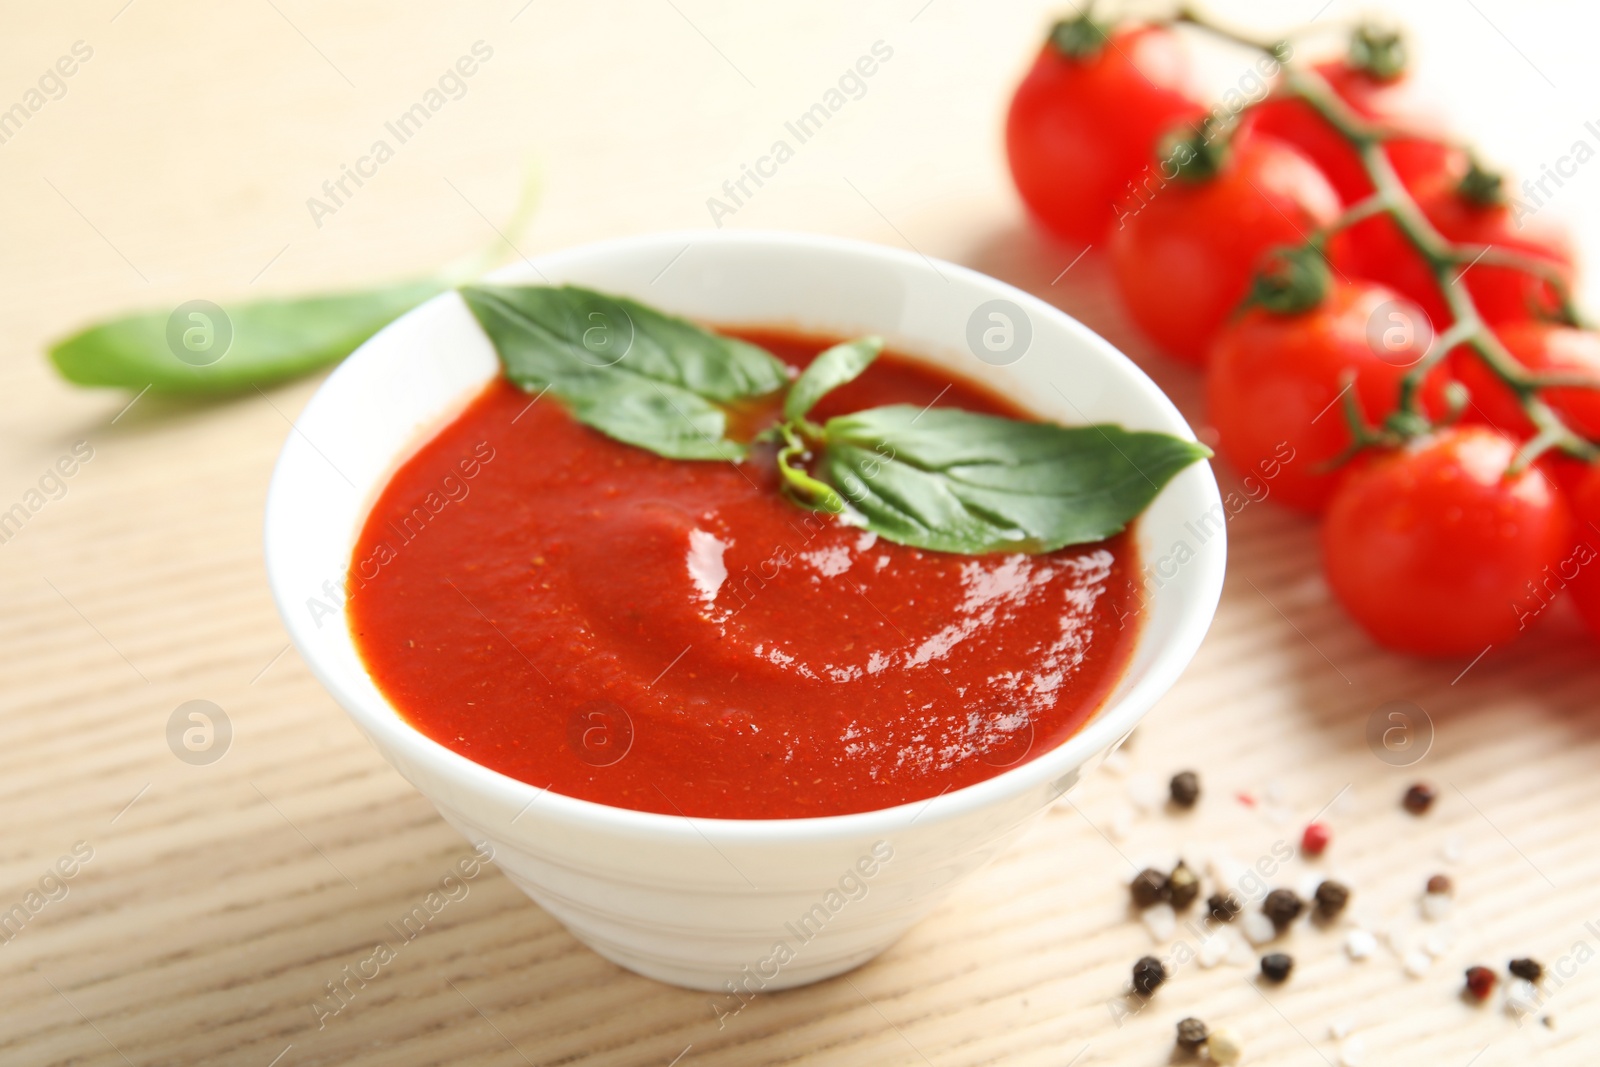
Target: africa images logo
x,y
852,85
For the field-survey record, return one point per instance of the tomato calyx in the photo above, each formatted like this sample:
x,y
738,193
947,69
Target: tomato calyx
x,y
1400,427
1482,186
1379,51
1080,38
1292,281
1196,153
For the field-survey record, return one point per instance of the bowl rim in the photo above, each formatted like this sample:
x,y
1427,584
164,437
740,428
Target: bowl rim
x,y
1110,723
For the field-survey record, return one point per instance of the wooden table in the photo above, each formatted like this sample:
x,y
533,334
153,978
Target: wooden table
x,y
210,906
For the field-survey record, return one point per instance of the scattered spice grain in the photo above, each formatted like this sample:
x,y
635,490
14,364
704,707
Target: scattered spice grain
x,y
1275,966
1331,898
1149,888
1532,970
1185,789
1192,1034
1282,906
1419,798
1148,974
1480,982
1183,886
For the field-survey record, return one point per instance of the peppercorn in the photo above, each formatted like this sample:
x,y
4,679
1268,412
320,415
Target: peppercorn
x,y
1419,798
1331,898
1192,1033
1531,970
1275,966
1315,839
1185,788
1480,982
1183,886
1282,906
1223,1047
1148,974
1149,888
1224,907
1440,884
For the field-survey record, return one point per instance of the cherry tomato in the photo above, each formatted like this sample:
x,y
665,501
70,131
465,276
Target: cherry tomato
x,y
1275,381
1585,585
1086,119
1435,549
1375,248
1184,262
1382,100
1538,346
1567,472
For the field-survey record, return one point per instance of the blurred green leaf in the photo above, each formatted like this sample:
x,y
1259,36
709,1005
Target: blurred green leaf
x,y
260,343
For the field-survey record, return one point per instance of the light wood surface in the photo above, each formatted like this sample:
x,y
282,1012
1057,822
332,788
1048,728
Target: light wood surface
x,y
220,900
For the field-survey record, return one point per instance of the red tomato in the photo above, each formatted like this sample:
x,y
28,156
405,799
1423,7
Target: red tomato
x,y
1274,384
1376,249
1435,549
1184,262
1567,472
1381,100
1585,586
1538,346
1081,129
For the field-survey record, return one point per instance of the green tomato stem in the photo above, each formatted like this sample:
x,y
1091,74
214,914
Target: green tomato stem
x,y
1193,17
1357,212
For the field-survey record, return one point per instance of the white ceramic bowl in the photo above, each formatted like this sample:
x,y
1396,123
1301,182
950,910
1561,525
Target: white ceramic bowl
x,y
724,904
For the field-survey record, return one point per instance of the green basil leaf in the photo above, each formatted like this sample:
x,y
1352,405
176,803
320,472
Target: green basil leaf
x,y
260,343
671,423
631,372
957,481
840,364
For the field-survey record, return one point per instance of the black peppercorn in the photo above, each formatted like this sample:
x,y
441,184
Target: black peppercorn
x,y
1532,970
1148,974
1283,906
1419,798
1275,966
1183,886
1331,898
1224,907
1185,789
1149,888
1192,1034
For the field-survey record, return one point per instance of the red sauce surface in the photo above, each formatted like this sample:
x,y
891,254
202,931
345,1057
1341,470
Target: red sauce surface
x,y
676,637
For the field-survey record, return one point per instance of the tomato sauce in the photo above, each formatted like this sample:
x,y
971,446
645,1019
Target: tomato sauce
x,y
675,636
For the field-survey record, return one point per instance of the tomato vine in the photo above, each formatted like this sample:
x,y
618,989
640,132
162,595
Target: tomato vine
x,y
1297,278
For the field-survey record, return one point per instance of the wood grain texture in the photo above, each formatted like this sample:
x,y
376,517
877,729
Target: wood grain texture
x,y
221,901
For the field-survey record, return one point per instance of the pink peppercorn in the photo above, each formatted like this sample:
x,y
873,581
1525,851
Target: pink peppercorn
x,y
1480,982
1315,840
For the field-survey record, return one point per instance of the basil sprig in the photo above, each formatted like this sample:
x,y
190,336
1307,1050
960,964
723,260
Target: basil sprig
x,y
958,481
840,364
629,371
935,478
269,341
